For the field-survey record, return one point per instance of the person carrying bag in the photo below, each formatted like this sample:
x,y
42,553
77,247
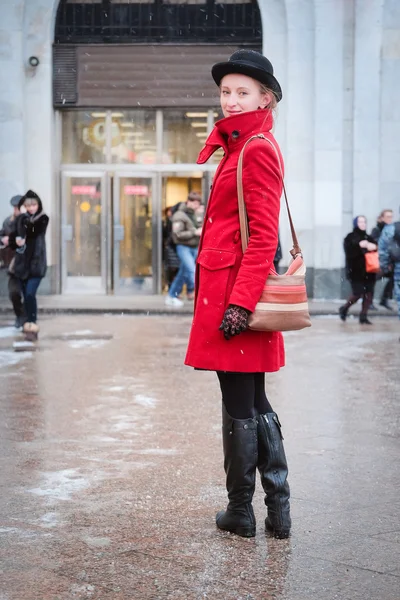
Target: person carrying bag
x,y
230,280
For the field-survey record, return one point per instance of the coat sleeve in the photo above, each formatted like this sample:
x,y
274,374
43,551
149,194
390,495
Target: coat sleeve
x,y
180,232
351,246
262,188
37,228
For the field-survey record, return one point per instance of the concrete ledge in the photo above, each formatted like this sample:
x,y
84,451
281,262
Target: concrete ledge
x,y
151,305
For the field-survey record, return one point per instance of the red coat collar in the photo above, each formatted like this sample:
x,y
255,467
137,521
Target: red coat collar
x,y
235,130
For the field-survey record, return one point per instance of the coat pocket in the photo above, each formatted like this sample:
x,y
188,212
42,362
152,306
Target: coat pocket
x,y
215,267
214,259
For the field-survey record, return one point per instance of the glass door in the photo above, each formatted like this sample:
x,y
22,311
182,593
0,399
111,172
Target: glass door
x,y
136,240
84,233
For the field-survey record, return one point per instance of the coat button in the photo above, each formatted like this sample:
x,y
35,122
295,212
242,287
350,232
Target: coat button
x,y
245,426
235,134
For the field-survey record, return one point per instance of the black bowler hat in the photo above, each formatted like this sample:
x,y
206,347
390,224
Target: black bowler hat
x,y
251,63
15,200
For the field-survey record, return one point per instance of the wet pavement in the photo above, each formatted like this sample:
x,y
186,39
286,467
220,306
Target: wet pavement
x,y
111,466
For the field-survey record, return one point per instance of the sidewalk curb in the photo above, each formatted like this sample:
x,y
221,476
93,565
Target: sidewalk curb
x,y
48,310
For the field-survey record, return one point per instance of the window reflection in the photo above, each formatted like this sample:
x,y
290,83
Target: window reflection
x,y
134,137
84,137
184,135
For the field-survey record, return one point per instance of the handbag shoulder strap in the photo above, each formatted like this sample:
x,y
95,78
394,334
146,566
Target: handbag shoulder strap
x,y
244,224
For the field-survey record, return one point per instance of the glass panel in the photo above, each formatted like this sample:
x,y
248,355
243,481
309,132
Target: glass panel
x,y
136,249
134,137
83,215
175,189
184,135
83,137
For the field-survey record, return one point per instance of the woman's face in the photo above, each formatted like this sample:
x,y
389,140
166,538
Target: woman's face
x,y
240,93
32,208
362,223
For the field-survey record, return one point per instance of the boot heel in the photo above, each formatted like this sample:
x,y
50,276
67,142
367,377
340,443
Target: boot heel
x,y
278,534
246,532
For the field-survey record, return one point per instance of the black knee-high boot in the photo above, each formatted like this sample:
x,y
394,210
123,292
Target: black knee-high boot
x,y
240,450
274,470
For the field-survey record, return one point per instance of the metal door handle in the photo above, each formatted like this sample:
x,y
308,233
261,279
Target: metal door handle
x,y
119,233
67,233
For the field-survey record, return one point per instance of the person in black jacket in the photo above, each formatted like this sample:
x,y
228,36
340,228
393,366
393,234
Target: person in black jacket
x,y
30,262
356,245
7,237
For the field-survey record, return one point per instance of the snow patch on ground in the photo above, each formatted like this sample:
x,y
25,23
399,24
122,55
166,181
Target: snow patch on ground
x,y
146,401
6,332
80,332
76,344
159,451
60,485
49,520
9,357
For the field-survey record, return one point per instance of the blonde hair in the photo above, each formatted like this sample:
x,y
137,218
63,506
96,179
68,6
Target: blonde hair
x,y
273,102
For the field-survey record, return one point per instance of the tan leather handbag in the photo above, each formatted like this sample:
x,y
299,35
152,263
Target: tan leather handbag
x,y
283,305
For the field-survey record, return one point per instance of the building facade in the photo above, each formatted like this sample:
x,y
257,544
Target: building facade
x,y
105,104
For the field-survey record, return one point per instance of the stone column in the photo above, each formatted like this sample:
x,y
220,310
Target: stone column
x,y
328,136
300,113
367,105
11,105
389,191
273,16
40,145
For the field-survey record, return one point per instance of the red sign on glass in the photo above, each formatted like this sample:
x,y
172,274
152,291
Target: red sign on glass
x,y
136,190
83,190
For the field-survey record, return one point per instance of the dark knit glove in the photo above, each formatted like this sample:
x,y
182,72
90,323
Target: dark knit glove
x,y
234,321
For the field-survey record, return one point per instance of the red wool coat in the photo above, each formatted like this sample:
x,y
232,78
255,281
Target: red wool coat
x,y
224,275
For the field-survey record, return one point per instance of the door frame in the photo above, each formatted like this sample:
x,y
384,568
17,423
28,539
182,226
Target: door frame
x,y
156,226
66,228
105,172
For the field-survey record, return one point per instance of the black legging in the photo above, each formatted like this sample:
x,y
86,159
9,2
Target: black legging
x,y
366,301
244,394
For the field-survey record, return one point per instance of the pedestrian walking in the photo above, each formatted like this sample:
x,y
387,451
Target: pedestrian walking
x,y
170,257
30,263
385,218
186,233
389,255
7,237
356,245
229,285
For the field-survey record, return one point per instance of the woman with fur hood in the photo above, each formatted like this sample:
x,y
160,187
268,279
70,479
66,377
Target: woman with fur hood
x,y
30,262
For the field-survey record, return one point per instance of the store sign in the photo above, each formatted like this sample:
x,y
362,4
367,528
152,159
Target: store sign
x,y
136,190
83,190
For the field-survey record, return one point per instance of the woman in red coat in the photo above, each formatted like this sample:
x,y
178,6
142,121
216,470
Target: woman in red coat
x,y
229,285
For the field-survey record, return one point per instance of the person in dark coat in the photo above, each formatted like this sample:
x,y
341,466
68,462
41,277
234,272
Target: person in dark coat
x,y
385,218
30,262
7,238
170,257
229,285
356,245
